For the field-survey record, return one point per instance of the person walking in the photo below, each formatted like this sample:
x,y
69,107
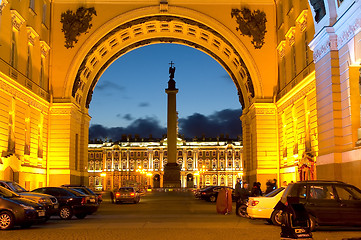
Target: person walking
x,y
237,194
256,190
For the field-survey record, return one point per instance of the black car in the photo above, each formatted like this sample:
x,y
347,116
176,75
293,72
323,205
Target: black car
x,y
71,202
327,202
16,210
94,197
211,193
50,202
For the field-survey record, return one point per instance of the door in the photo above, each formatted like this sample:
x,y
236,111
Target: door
x,y
350,203
322,204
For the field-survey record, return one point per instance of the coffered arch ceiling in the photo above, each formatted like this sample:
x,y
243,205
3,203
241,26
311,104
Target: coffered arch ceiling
x,y
124,36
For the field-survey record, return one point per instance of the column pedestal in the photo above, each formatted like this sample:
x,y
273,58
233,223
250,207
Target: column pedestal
x,y
171,178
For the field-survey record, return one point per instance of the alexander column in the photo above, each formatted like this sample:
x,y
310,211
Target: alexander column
x,y
171,169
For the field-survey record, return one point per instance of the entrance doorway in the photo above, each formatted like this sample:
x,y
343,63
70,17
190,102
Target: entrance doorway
x,y
156,181
190,181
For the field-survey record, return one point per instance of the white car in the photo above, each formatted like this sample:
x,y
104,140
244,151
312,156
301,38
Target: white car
x,y
262,207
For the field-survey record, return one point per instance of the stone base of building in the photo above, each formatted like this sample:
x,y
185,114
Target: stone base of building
x,y
171,178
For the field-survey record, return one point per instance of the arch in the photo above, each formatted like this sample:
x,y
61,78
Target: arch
x,y
179,25
156,181
190,180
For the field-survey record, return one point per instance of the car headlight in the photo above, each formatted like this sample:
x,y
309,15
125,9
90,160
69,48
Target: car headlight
x,y
44,200
26,207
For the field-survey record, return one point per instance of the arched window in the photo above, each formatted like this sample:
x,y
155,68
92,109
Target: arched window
x,y
190,164
156,164
214,180
91,165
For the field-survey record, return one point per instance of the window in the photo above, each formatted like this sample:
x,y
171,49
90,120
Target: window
x,y
189,153
124,165
190,165
91,165
321,192
156,165
13,56
179,153
29,65
214,164
32,5
156,154
116,165
97,165
214,182
44,14
348,193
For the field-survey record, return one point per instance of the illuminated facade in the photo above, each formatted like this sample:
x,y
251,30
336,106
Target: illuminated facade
x,y
140,162
301,109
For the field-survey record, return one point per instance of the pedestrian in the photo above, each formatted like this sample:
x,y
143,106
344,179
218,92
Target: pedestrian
x,y
269,187
284,183
237,194
274,184
256,190
244,192
112,196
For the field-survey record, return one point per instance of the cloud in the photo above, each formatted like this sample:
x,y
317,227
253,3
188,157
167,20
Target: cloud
x,y
107,85
144,104
128,117
227,78
224,122
142,127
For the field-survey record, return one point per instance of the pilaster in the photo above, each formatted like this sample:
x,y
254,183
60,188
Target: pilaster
x,y
259,133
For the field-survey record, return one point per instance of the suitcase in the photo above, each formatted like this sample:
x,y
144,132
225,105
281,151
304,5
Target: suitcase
x,y
224,201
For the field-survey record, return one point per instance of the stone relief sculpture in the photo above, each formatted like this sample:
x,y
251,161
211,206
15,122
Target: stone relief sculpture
x,y
75,24
251,24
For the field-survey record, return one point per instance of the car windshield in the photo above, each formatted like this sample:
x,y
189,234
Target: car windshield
x,y
274,192
7,193
16,187
126,190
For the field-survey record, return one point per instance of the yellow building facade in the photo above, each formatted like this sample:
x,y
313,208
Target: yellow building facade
x,y
140,162
295,66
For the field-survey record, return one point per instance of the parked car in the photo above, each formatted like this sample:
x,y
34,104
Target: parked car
x,y
16,210
126,194
263,207
71,202
50,202
327,202
211,193
94,198
198,192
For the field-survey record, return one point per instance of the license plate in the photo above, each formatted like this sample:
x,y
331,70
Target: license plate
x,y
41,213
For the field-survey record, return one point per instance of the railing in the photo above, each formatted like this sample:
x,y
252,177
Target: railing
x,y
23,80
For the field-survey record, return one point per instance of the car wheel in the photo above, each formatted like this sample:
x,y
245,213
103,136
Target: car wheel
x,y
242,211
6,220
212,198
313,222
65,212
276,217
80,215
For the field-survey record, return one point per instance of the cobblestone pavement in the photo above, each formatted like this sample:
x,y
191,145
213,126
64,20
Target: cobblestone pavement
x,y
163,215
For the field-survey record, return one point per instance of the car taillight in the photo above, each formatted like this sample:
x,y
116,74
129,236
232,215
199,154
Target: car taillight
x,y
254,203
203,193
117,194
132,194
83,200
